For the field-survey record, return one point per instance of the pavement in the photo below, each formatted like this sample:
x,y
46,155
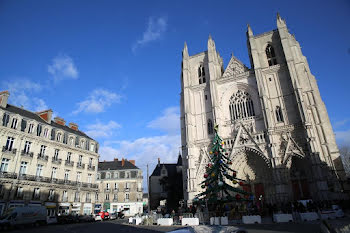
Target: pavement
x,y
121,226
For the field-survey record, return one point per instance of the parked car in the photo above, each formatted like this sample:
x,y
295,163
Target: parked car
x,y
113,216
23,215
98,217
86,218
64,219
104,215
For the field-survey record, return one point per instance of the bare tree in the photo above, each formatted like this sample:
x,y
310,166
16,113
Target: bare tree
x,y
345,158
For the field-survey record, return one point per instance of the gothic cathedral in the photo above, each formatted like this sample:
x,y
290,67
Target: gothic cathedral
x,y
271,116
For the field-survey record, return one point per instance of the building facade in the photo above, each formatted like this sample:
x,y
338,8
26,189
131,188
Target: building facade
x,y
120,187
165,185
271,117
45,162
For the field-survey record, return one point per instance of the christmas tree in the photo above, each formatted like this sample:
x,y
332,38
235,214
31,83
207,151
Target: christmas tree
x,y
218,175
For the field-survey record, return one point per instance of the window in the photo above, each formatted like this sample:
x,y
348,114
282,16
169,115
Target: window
x,y
241,106
89,178
88,198
14,123
98,176
54,173
78,176
30,128
23,168
19,192
5,119
38,130
96,196
71,141
42,150
51,194
279,114
127,195
36,193
65,196
55,156
107,186
9,143
115,197
92,147
90,162
4,165
107,196
116,175
77,196
271,56
127,174
82,144
59,136
115,186
108,175
80,160
66,175
127,185
46,132
201,74
210,126
27,147
39,170
69,155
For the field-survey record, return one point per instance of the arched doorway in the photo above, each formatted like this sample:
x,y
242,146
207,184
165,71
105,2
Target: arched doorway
x,y
254,168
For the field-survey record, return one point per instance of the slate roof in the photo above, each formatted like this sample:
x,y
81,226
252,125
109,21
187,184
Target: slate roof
x,y
116,165
170,167
31,115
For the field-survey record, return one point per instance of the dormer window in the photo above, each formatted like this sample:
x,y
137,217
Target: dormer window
x,y
271,56
82,144
30,128
201,74
59,137
46,132
14,123
71,141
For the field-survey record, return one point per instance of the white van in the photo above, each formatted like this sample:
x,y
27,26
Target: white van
x,y
23,215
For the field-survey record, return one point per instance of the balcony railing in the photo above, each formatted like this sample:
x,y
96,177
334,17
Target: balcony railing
x,y
88,200
27,154
8,150
56,161
80,165
43,157
90,167
11,175
107,190
69,163
126,200
126,189
115,190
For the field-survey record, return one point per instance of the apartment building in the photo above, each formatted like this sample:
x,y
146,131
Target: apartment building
x,y
120,187
45,162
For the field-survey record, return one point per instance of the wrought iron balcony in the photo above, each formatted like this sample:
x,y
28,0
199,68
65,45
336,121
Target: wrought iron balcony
x,y
90,167
69,163
9,175
56,161
9,150
27,153
43,157
80,165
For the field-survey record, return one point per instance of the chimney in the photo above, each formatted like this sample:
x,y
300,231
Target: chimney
x,y
123,162
158,161
4,95
116,159
46,115
73,126
59,121
132,161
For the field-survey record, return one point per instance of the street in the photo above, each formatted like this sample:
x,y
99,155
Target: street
x,y
118,226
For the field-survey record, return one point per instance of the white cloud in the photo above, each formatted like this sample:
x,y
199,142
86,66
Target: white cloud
x,y
22,93
343,137
168,122
155,29
97,101
63,67
100,130
145,150
340,123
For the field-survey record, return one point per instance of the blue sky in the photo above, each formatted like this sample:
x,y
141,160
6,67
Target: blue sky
x,y
113,67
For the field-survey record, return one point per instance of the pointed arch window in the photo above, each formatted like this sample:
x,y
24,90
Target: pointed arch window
x,y
271,56
241,106
210,127
279,114
201,74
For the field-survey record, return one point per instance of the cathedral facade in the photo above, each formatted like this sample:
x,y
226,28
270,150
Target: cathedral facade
x,y
271,117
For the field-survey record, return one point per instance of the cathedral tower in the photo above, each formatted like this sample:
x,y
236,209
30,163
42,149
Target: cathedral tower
x,y
271,117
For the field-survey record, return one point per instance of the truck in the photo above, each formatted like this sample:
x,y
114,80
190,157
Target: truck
x,y
23,215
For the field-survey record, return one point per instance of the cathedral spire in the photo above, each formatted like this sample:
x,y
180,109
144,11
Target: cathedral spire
x,y
249,31
211,44
185,51
280,22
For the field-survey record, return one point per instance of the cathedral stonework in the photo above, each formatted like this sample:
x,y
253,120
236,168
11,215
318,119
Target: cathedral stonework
x,y
271,117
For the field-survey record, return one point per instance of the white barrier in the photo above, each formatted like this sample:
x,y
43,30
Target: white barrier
x,y
282,218
224,221
137,221
164,221
309,216
215,221
130,220
190,222
251,219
